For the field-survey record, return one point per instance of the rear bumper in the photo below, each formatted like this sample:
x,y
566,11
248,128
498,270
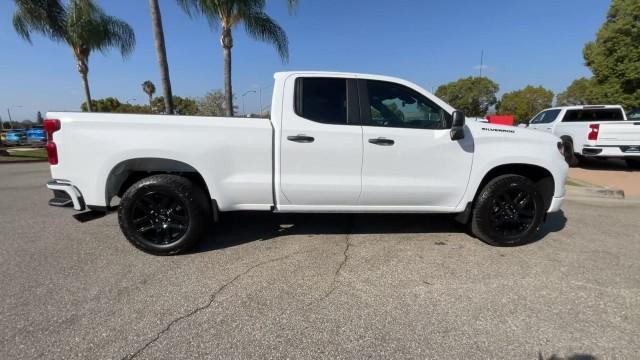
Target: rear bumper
x,y
65,194
556,203
622,151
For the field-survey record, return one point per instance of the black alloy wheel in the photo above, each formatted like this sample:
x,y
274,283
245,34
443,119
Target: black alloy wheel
x,y
508,211
164,214
160,217
513,211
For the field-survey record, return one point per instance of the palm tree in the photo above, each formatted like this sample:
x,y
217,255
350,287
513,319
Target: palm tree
x,y
81,24
229,13
149,88
161,51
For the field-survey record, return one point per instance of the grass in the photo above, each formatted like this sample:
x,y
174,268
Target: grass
x,y
24,155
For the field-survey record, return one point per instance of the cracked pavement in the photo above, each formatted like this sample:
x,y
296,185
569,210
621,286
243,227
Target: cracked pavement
x,y
315,286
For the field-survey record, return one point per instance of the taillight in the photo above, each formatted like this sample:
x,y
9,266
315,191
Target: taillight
x,y
51,126
593,134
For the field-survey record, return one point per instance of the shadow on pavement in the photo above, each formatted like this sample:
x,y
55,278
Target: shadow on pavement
x,y
600,164
570,357
244,227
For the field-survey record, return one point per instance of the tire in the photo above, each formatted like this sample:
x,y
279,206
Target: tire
x,y
508,211
569,154
164,214
633,164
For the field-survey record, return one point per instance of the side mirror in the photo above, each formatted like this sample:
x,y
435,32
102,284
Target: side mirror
x,y
457,126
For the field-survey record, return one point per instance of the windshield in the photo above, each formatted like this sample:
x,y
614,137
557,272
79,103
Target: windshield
x,y
634,114
546,117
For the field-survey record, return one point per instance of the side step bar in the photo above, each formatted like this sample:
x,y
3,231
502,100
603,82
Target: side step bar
x,y
65,194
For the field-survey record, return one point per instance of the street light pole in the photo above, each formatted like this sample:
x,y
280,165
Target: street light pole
x,y
260,88
243,95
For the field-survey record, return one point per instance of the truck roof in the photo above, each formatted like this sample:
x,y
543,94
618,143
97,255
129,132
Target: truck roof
x,y
583,107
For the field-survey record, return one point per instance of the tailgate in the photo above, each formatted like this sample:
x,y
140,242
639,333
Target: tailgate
x,y
619,133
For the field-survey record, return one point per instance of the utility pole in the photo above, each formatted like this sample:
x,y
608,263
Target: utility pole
x,y
481,61
10,122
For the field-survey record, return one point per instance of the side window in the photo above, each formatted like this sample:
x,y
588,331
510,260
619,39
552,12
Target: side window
x,y
322,99
546,117
593,115
394,105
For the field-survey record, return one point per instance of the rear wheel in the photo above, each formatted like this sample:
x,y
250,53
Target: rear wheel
x,y
163,214
508,211
569,155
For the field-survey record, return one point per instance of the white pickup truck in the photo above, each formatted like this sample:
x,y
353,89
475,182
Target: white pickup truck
x,y
335,142
592,131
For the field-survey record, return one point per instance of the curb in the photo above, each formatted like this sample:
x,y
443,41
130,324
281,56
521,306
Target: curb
x,y
594,192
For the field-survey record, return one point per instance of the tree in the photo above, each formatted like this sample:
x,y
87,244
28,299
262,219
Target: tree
x,y
149,88
229,13
109,104
81,24
614,57
161,52
212,104
473,95
525,103
181,106
113,105
581,92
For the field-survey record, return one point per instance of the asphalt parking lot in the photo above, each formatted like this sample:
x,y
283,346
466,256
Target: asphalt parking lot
x,y
316,286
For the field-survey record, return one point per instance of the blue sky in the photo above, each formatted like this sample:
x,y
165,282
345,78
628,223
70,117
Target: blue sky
x,y
429,42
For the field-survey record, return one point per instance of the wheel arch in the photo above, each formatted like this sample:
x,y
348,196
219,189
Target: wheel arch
x,y
569,139
129,171
541,177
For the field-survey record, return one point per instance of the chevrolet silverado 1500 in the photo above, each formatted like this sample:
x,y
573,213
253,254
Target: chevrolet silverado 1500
x,y
335,142
601,131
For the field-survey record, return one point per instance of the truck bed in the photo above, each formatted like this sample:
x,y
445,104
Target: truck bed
x,y
235,154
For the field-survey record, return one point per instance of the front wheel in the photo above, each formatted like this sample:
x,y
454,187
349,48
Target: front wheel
x,y
163,214
508,211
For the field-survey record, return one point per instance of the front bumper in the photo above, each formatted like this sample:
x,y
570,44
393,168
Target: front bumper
x,y
65,194
556,203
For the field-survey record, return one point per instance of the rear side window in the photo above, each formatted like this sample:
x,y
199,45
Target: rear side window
x,y
634,115
546,117
322,99
593,115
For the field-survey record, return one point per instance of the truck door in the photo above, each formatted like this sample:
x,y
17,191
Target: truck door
x,y
409,158
544,121
321,142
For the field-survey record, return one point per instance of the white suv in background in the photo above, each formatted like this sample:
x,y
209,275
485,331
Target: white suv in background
x,y
592,131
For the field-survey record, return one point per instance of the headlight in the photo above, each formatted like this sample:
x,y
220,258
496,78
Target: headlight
x,y
561,147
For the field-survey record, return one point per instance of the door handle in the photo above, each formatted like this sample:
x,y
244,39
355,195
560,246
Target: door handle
x,y
382,141
301,138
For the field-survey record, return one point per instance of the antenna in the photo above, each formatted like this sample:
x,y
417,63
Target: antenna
x,y
481,61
